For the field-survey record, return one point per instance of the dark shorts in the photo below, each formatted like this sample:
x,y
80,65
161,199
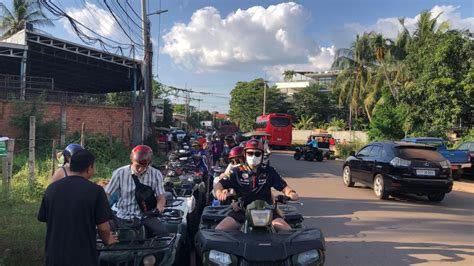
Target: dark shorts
x,y
240,216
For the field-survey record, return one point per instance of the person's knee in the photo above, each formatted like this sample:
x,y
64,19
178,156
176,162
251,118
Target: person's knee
x,y
227,224
281,225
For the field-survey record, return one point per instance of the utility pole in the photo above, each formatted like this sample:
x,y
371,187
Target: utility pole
x,y
146,96
147,72
264,94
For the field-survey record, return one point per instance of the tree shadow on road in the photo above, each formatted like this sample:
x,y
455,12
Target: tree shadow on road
x,y
349,225
396,253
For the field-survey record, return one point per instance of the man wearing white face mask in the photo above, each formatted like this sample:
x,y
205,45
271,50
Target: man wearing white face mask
x,y
251,182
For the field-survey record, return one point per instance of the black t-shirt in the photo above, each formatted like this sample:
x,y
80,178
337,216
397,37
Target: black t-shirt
x,y
254,186
72,207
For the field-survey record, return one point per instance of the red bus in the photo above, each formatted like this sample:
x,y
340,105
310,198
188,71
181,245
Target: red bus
x,y
278,126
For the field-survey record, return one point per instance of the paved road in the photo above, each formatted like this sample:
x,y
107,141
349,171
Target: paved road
x,y
362,230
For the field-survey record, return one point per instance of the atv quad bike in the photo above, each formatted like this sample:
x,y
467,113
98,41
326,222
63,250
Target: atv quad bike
x,y
257,243
135,248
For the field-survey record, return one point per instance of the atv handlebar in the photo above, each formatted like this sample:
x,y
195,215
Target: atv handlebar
x,y
286,200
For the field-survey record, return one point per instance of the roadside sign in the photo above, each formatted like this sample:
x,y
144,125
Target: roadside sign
x,y
3,148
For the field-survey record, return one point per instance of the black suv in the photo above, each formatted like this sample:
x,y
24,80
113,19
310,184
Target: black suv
x,y
390,167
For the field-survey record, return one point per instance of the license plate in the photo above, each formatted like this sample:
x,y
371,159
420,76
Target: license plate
x,y
279,139
425,172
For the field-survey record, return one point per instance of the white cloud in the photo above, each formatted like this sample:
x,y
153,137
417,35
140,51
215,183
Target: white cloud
x,y
100,21
390,26
258,35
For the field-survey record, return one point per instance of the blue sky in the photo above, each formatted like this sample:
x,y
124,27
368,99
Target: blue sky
x,y
210,45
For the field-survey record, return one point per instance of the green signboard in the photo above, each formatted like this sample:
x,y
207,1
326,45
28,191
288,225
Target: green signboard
x,y
3,148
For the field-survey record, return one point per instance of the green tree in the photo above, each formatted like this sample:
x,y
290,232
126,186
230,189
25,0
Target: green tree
x,y
24,11
356,64
311,102
388,120
438,69
288,75
246,102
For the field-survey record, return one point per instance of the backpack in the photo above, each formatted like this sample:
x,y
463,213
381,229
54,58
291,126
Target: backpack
x,y
144,195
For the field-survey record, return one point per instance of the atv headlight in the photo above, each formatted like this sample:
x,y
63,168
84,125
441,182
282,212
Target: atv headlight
x,y
220,258
307,257
149,260
186,147
260,217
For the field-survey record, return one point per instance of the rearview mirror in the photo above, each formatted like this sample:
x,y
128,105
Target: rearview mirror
x,y
352,153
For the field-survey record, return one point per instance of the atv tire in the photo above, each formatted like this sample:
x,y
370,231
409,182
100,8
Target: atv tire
x,y
297,156
309,156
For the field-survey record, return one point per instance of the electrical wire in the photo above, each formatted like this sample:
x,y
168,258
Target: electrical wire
x,y
79,27
119,24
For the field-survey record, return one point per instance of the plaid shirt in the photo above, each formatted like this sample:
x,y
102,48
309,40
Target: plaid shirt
x,y
122,182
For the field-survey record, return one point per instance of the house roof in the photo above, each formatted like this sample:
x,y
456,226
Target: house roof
x,y
73,67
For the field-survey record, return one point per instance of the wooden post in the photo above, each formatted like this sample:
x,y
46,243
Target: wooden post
x,y
82,134
31,150
7,164
53,157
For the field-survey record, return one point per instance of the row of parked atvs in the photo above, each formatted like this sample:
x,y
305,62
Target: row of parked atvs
x,y
191,220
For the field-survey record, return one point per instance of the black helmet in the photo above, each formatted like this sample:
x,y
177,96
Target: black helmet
x,y
70,150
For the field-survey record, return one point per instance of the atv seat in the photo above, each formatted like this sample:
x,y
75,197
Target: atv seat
x,y
215,214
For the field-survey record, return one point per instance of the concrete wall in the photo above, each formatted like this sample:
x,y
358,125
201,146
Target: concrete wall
x,y
114,121
300,136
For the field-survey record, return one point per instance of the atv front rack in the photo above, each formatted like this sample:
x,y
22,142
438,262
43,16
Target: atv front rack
x,y
155,243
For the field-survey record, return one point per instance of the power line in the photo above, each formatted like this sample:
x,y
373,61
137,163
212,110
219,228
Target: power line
x,y
133,10
118,22
78,27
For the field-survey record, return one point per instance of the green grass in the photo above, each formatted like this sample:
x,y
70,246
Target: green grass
x,y
22,236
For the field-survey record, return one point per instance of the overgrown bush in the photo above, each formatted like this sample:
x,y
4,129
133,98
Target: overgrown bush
x,y
343,150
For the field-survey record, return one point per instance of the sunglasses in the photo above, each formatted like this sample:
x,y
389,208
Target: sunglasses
x,y
256,153
235,161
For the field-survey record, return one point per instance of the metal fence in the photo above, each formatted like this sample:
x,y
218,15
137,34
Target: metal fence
x,y
13,81
14,93
42,88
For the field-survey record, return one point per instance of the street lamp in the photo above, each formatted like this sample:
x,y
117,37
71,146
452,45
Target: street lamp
x,y
158,12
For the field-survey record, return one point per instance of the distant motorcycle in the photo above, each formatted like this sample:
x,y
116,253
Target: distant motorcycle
x,y
308,153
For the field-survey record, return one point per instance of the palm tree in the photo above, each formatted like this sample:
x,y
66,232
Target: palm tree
x,y
304,123
356,65
382,47
426,25
288,75
24,11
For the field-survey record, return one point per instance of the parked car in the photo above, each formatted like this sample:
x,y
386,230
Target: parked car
x,y
391,167
459,159
469,146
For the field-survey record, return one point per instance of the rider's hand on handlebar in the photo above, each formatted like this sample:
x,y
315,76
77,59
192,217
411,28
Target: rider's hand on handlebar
x,y
293,196
160,207
222,194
